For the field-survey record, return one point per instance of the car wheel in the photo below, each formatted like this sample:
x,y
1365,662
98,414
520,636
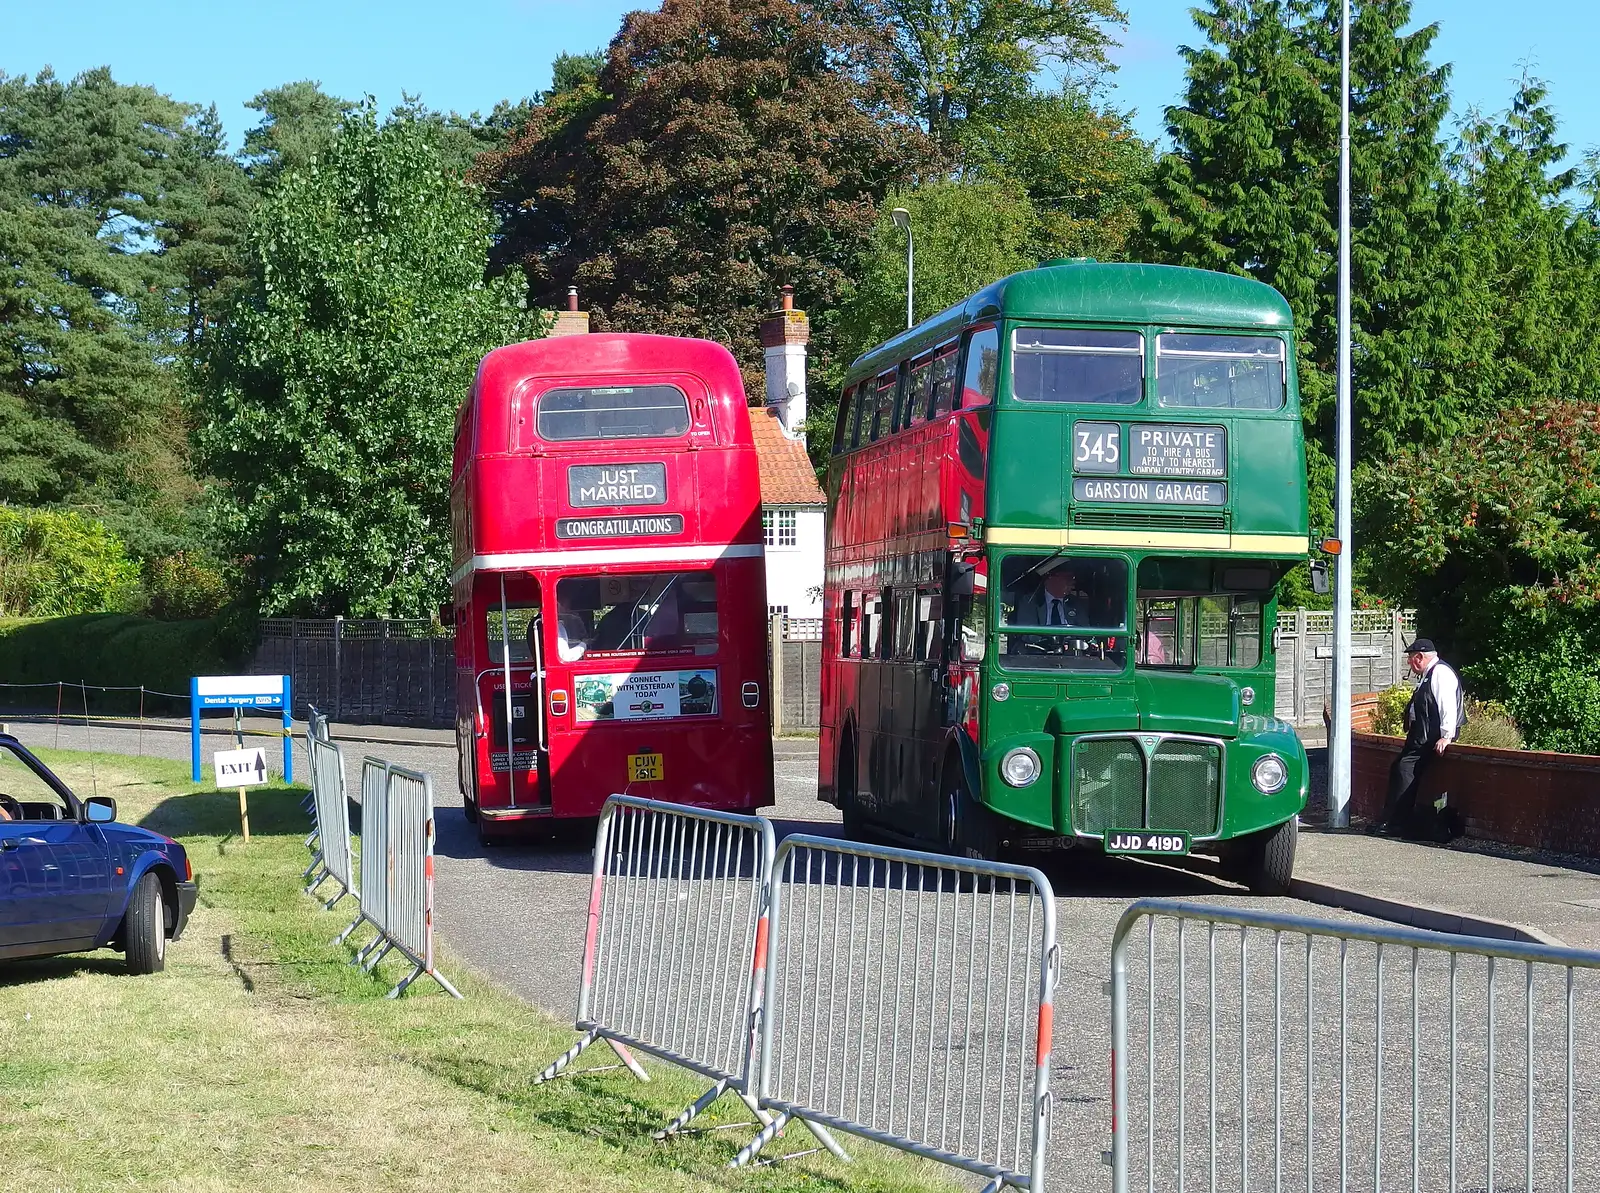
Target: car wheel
x,y
145,927
1265,863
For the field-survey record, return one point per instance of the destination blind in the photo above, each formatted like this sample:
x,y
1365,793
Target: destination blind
x,y
619,527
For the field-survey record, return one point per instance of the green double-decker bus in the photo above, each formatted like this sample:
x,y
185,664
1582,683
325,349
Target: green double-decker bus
x,y
1059,514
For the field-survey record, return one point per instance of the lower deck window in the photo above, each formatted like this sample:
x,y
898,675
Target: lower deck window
x,y
657,612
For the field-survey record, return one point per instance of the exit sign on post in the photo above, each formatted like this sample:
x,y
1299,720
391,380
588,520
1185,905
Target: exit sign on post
x,y
241,768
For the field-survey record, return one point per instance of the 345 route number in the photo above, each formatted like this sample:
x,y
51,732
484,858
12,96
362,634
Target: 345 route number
x,y
1097,447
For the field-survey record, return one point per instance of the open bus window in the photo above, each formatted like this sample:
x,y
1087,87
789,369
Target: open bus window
x,y
1062,364
1214,630
514,629
616,412
1076,610
1220,372
673,612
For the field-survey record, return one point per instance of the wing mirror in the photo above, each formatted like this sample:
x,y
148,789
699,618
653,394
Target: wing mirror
x,y
1319,576
100,809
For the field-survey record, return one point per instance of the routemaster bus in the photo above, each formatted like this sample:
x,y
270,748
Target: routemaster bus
x,y
609,583
1059,513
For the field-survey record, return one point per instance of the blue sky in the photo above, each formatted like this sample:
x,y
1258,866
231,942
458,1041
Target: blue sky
x,y
469,55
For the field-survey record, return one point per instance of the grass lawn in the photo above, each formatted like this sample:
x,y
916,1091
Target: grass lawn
x,y
260,1059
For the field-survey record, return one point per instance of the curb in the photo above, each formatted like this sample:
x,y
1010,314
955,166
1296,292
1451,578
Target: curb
x,y
1417,915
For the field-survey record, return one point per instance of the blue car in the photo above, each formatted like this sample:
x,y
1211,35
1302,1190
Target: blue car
x,y
72,878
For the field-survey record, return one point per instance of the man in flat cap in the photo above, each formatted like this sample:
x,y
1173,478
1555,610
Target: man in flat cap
x,y
1432,720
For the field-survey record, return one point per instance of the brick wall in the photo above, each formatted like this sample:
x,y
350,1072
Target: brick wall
x,y
1515,797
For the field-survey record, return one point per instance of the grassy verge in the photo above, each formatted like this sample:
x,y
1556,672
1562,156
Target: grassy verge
x,y
262,1060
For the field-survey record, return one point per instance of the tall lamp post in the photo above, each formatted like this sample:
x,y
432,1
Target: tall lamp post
x,y
902,219
1339,736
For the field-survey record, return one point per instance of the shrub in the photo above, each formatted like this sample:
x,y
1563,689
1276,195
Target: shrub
x,y
1388,717
1548,675
1490,724
54,564
184,586
110,649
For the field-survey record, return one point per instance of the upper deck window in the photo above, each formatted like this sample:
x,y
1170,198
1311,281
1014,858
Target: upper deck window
x,y
1220,372
620,412
1064,364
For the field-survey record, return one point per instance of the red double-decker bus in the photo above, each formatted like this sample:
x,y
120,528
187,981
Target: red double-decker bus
x,y
609,586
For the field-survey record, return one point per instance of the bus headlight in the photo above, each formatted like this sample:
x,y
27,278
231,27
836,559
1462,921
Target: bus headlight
x,y
1269,774
1020,767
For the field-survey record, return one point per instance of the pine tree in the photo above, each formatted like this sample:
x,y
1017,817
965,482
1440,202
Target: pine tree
x,y
1251,187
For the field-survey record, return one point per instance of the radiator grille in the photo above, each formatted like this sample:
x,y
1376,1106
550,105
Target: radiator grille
x,y
1111,775
1107,785
1185,779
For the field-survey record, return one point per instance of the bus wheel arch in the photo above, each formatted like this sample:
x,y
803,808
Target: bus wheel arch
x,y
847,782
967,827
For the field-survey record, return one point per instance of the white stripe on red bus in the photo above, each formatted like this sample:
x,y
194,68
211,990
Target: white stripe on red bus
x,y
518,560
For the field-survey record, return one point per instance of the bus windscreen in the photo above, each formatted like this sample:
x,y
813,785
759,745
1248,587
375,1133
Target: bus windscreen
x,y
1220,372
614,412
1063,364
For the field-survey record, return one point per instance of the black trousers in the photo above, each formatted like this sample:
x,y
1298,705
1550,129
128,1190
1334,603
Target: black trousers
x,y
1405,779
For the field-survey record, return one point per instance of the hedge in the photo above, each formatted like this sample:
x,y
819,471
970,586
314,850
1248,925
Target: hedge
x,y
110,649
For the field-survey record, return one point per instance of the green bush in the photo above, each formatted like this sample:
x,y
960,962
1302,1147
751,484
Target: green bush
x,y
1548,677
109,649
54,564
1388,718
1490,724
184,586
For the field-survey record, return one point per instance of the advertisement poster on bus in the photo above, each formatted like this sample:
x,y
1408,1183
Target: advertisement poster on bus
x,y
646,695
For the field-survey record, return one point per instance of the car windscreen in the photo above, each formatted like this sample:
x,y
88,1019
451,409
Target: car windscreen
x,y
614,412
25,794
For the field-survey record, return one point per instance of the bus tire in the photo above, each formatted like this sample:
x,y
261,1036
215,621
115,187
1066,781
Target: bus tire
x,y
1265,861
469,808
855,827
969,828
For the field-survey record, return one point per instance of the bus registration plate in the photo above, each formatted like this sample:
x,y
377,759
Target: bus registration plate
x,y
1134,840
644,768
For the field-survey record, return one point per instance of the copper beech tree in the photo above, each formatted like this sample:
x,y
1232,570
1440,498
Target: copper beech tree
x,y
724,148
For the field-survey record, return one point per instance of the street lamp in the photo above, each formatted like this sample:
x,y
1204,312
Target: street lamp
x,y
902,219
1339,727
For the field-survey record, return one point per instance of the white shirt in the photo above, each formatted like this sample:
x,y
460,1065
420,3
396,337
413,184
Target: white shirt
x,y
1446,687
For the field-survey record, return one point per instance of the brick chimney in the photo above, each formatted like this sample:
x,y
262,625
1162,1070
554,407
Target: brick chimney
x,y
572,321
784,336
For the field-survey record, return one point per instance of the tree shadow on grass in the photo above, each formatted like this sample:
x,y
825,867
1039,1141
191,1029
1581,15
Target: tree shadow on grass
x,y
275,811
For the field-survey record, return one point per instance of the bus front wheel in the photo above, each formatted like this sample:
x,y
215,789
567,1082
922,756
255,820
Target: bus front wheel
x,y
969,827
1264,861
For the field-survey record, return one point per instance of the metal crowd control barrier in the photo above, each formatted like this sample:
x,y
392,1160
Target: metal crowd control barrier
x,y
316,729
1348,1055
331,810
397,838
676,945
909,1001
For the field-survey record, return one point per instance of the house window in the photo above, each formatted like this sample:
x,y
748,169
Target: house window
x,y
777,610
778,527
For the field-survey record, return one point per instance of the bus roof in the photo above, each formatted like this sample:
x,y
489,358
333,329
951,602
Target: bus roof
x,y
1115,292
599,355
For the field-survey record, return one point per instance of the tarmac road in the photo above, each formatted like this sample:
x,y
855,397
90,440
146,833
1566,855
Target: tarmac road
x,y
516,912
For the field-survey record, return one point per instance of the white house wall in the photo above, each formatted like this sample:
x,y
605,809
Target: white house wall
x,y
793,570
